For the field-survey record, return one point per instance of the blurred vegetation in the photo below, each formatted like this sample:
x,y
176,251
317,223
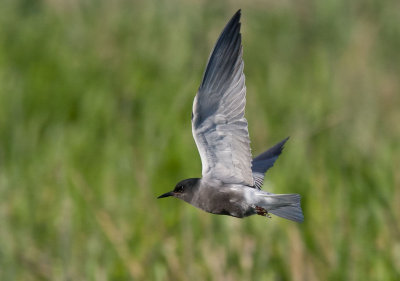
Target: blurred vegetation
x,y
95,105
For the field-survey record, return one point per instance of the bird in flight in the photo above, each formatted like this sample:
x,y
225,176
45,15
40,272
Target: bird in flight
x,y
231,180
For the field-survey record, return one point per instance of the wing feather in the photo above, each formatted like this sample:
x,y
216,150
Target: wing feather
x,y
218,124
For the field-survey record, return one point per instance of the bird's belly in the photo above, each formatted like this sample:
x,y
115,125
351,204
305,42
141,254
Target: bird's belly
x,y
234,210
227,203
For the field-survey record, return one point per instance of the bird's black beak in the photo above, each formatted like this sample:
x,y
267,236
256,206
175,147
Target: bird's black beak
x,y
168,194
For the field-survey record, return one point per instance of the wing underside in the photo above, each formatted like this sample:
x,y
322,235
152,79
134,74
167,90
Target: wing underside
x,y
218,123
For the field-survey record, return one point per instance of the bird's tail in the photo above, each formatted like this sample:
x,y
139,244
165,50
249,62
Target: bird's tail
x,y
283,205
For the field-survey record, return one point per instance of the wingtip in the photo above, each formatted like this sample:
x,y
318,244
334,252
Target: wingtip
x,y
226,45
281,144
235,19
237,15
285,140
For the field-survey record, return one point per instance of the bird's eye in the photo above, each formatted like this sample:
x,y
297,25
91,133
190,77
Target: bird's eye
x,y
179,188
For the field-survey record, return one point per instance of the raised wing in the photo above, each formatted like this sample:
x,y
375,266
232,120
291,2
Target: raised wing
x,y
264,161
218,123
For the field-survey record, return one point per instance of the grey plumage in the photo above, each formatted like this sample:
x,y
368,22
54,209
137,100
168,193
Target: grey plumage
x,y
218,123
231,180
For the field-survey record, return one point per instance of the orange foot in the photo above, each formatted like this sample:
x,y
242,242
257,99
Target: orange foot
x,y
262,212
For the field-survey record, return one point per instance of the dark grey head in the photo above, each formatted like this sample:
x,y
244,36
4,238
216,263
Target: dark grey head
x,y
183,190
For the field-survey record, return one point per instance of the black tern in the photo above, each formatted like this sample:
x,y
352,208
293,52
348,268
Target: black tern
x,y
231,180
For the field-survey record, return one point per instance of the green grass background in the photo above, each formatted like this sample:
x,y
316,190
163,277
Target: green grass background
x,y
95,105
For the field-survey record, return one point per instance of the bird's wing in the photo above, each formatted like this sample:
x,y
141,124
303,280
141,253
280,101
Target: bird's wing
x,y
264,161
218,124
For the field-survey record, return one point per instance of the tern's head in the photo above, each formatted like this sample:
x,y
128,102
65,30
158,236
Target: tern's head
x,y
183,190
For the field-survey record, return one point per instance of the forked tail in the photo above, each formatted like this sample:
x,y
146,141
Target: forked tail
x,y
286,206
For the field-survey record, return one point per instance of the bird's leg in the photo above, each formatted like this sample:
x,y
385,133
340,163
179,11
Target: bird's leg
x,y
262,212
